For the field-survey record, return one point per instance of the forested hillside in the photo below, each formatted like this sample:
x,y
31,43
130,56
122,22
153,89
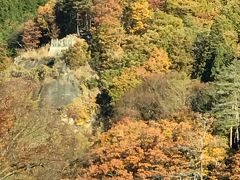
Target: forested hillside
x,y
13,13
120,89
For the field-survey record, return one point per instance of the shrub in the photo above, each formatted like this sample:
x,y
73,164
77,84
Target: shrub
x,y
78,55
159,96
84,108
36,54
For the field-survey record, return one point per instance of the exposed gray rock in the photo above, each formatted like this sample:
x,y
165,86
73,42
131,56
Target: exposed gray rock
x,y
58,46
60,92
58,85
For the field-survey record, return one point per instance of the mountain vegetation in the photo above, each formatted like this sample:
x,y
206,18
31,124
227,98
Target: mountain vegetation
x,y
120,89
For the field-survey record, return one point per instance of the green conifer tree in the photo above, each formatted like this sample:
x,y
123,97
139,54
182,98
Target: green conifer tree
x,y
227,97
212,53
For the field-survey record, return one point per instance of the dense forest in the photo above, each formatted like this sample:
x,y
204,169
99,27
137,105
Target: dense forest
x,y
120,89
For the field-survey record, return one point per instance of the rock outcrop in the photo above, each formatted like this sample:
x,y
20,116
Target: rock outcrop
x,y
59,86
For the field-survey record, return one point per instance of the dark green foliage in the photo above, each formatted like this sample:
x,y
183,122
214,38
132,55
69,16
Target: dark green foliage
x,y
212,52
227,93
202,97
221,52
201,53
15,12
106,110
69,13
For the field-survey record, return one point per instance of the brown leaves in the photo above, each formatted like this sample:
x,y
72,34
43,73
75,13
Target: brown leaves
x,y
235,167
6,115
11,96
106,12
31,35
157,4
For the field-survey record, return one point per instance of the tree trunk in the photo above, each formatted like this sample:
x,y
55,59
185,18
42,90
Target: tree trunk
x,y
231,136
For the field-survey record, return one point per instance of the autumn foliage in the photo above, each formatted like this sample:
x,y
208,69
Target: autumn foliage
x,y
136,15
31,35
5,60
138,150
6,115
10,97
235,167
158,63
159,83
157,4
78,55
158,96
46,19
106,12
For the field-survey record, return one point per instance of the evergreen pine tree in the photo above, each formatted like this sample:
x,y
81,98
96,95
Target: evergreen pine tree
x,y
211,53
227,97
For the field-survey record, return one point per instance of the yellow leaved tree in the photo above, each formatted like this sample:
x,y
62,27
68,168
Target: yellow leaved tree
x,y
130,78
46,19
136,15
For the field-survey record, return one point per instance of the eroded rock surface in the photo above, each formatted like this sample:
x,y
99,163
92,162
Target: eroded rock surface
x,y
60,92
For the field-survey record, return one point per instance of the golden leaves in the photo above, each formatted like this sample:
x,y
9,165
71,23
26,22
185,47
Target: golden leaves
x,y
158,62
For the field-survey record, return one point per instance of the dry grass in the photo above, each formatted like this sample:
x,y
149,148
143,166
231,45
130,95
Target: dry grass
x,y
36,54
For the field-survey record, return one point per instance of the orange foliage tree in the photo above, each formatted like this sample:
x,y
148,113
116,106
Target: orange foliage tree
x,y
228,169
106,11
6,115
31,35
139,150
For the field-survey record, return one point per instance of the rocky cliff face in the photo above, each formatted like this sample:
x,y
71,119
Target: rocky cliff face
x,y
58,86
58,46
